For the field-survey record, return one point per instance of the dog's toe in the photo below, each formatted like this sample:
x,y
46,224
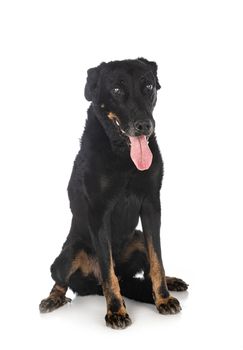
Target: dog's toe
x,y
176,284
52,303
169,307
117,321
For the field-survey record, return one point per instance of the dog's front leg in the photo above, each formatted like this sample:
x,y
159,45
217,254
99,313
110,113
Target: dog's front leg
x,y
99,219
150,217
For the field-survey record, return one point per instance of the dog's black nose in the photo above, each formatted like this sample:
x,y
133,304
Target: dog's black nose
x,y
143,127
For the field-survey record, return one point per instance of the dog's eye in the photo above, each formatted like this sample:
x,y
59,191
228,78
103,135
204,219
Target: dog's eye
x,y
117,91
149,87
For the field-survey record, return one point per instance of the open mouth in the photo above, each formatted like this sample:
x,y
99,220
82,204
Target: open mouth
x,y
140,152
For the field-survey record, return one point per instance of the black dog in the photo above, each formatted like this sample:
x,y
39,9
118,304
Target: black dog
x,y
116,179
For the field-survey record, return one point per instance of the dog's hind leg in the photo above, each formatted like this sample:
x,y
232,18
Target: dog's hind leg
x,y
134,259
68,261
84,285
67,264
140,289
176,284
60,271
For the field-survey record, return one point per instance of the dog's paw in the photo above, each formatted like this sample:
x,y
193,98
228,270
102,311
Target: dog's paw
x,y
169,306
52,303
117,321
176,284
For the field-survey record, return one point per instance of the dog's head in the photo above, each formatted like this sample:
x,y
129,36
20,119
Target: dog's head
x,y
125,93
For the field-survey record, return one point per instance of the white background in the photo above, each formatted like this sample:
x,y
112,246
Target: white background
x,y
46,49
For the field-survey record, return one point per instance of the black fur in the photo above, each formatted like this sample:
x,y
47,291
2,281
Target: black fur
x,y
108,194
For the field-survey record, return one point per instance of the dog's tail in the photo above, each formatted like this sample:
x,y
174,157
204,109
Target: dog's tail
x,y
132,288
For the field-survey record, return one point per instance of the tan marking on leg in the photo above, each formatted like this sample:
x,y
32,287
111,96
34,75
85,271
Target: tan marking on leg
x,y
87,264
157,275
58,290
55,299
135,245
112,289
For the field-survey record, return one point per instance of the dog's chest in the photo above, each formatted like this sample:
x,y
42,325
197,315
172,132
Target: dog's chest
x,y
125,214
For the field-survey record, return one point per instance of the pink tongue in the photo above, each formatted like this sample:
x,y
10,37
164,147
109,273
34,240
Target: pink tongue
x,y
140,152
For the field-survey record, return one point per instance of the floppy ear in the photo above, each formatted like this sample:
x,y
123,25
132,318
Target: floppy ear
x,y
153,66
92,82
